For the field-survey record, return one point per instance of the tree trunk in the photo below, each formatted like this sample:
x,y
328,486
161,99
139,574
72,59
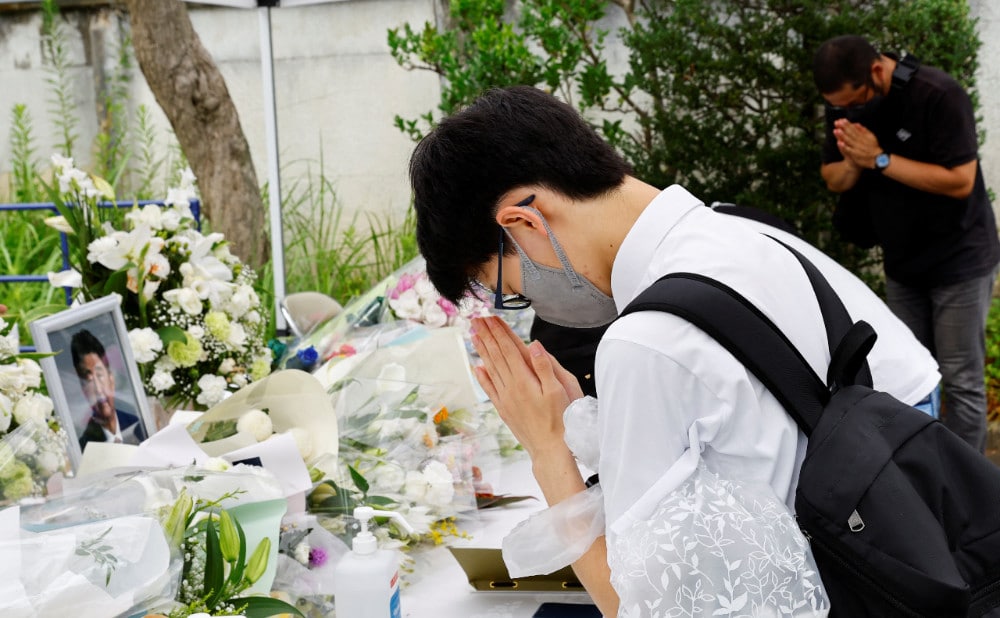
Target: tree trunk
x,y
193,95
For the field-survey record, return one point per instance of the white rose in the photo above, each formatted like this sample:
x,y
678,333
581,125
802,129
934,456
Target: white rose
x,y
33,408
440,484
162,381
146,344
227,366
303,442
256,423
213,389
185,298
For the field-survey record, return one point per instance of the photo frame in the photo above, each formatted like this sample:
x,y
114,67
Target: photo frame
x,y
92,376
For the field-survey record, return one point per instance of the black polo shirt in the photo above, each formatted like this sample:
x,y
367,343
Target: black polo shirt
x,y
927,240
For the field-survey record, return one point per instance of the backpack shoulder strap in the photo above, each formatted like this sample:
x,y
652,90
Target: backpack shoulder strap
x,y
748,334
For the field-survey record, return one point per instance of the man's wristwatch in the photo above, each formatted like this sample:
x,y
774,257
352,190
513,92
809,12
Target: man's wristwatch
x,y
882,161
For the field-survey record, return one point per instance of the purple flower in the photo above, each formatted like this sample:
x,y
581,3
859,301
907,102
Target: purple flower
x,y
317,557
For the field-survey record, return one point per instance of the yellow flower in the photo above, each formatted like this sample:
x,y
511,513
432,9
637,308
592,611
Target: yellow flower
x,y
218,325
260,368
185,353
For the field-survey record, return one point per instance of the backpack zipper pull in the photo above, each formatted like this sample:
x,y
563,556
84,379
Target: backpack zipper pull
x,y
855,523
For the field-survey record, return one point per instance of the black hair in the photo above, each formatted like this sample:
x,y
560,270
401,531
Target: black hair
x,y
508,137
84,343
843,60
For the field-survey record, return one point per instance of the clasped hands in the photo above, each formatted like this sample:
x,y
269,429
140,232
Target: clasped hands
x,y
858,145
529,388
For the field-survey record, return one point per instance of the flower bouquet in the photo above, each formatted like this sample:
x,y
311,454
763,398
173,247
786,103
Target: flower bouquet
x,y
32,445
194,318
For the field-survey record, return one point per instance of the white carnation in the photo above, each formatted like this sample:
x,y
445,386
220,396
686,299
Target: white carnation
x,y
406,305
252,317
256,423
440,484
146,344
415,486
33,408
162,380
388,477
213,389
425,289
196,331
433,315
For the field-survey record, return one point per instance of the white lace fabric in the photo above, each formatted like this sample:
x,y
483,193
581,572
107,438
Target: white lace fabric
x,y
711,547
715,547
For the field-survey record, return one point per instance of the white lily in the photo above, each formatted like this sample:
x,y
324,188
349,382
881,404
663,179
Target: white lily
x,y
66,279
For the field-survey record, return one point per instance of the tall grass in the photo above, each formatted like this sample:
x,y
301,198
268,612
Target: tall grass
x,y
62,107
327,251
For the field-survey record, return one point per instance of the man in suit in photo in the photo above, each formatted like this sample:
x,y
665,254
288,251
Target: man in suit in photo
x,y
106,423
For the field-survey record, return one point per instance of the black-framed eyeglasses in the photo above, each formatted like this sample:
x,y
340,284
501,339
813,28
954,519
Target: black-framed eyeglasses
x,y
501,300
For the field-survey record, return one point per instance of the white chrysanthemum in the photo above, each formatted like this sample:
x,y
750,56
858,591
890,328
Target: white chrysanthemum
x,y
256,423
162,381
185,298
440,484
33,408
212,389
146,344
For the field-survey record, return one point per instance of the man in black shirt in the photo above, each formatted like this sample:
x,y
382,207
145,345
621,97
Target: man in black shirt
x,y
902,150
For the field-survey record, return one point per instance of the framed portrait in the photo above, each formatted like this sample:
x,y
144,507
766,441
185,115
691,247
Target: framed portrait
x,y
92,376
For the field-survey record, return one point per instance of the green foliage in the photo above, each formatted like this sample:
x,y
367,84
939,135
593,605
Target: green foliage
x,y
62,107
24,176
717,96
112,150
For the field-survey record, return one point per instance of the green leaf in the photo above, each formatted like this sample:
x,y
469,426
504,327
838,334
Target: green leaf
x,y
172,333
380,501
236,574
263,607
214,565
359,481
117,282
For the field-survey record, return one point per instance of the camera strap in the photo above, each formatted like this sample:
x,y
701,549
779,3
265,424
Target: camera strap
x,y
905,68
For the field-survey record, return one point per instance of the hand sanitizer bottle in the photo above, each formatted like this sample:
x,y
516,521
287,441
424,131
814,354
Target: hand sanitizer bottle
x,y
366,582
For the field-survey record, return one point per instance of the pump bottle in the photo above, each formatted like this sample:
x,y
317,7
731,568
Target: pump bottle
x,y
366,582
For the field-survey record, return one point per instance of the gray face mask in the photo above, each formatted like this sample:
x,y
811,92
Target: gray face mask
x,y
560,295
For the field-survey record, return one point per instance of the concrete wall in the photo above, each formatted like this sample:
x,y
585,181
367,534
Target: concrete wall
x,y
338,87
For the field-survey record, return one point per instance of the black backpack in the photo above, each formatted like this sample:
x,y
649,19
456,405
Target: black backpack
x,y
902,515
